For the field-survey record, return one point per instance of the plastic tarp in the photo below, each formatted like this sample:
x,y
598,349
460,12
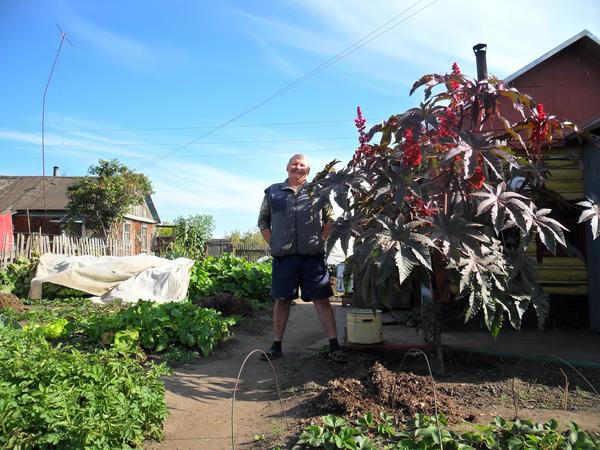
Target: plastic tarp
x,y
128,278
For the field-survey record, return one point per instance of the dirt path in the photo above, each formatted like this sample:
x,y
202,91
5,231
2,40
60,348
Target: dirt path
x,y
199,396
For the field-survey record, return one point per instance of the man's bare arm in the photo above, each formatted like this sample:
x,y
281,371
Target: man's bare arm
x,y
266,234
326,230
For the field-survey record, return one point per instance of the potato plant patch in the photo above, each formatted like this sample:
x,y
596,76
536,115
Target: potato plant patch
x,y
56,396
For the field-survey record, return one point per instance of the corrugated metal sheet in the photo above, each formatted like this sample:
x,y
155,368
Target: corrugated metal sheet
x,y
27,193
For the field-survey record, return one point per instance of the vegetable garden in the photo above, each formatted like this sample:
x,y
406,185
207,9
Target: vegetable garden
x,y
74,374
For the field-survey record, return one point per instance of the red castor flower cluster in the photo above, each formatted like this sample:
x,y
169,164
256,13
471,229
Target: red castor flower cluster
x,y
478,178
454,85
364,148
419,207
539,131
448,123
412,150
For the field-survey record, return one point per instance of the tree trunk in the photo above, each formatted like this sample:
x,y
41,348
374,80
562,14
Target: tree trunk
x,y
440,287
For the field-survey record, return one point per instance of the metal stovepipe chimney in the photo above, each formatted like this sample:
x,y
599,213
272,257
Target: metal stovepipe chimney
x,y
481,59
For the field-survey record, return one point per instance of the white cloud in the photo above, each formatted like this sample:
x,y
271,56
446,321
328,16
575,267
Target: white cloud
x,y
121,49
72,144
194,188
516,32
277,59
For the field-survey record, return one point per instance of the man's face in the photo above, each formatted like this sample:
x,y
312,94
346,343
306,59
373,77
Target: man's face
x,y
297,170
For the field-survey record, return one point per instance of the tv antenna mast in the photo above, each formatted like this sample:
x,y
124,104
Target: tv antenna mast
x,y
63,37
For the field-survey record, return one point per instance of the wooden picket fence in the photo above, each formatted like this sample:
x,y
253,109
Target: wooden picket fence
x,y
29,245
250,252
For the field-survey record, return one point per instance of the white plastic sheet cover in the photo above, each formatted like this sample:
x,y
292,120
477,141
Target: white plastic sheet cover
x,y
128,278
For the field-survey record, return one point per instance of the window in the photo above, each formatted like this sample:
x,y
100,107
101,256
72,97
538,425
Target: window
x,y
144,238
127,232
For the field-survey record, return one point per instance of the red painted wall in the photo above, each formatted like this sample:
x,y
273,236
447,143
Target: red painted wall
x,y
6,232
568,83
22,225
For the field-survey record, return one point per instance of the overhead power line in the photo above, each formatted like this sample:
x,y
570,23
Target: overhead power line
x,y
146,144
371,36
204,127
195,156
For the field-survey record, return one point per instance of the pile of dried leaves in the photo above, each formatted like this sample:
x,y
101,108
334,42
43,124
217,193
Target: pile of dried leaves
x,y
10,301
401,394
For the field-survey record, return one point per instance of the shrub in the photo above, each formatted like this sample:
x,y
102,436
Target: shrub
x,y
190,235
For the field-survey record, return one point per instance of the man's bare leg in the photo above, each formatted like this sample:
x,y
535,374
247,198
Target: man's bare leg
x,y
281,314
326,316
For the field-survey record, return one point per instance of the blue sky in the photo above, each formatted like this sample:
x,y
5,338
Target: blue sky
x,y
143,81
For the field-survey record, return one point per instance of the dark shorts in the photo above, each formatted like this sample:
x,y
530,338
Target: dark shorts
x,y
309,273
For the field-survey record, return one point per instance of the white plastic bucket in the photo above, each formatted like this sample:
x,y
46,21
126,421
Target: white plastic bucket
x,y
364,326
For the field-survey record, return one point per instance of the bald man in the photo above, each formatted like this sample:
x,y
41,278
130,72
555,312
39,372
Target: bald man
x,y
296,226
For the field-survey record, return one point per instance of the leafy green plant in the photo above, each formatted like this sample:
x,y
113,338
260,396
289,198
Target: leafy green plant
x,y
17,276
55,329
126,341
177,355
430,433
230,274
56,291
334,433
45,311
60,397
162,325
190,235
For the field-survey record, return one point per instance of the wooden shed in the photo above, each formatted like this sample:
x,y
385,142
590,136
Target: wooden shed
x,y
566,80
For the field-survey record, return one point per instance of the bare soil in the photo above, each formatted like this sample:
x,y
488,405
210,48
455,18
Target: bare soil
x,y
475,388
10,301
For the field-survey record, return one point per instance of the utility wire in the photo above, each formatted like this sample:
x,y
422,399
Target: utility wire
x,y
204,155
201,127
145,144
349,50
